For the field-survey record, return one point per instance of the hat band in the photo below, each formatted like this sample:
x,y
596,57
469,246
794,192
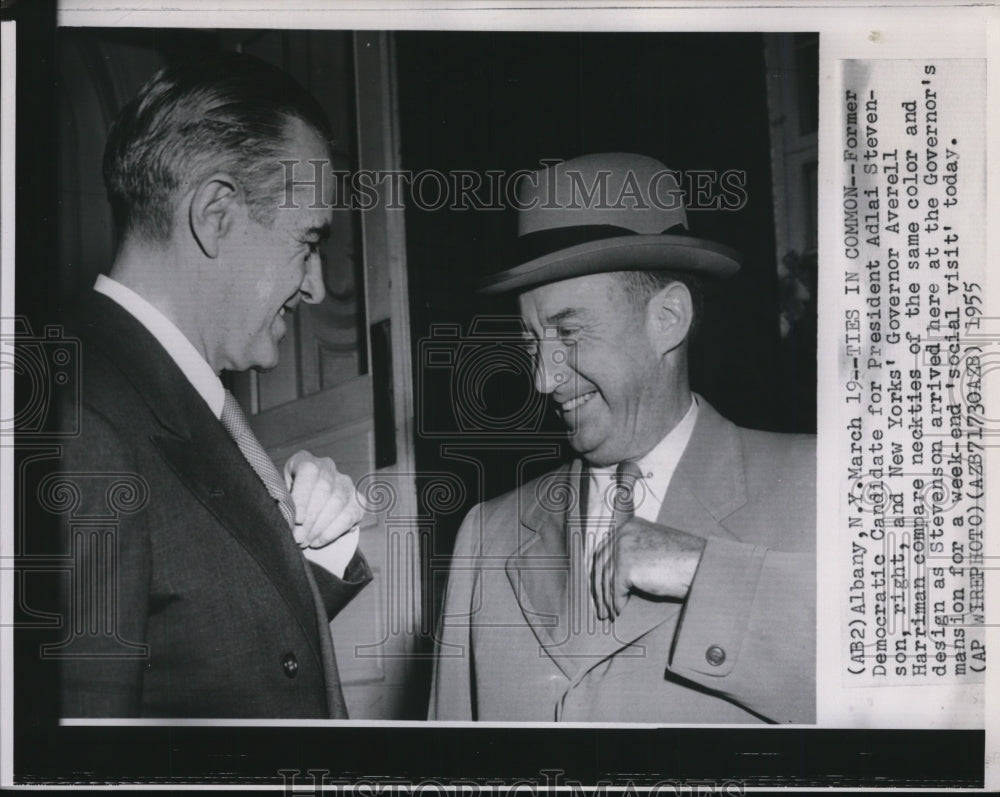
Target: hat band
x,y
544,242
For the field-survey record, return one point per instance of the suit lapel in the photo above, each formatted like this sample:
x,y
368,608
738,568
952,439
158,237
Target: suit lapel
x,y
709,483
539,570
212,467
203,455
551,583
708,486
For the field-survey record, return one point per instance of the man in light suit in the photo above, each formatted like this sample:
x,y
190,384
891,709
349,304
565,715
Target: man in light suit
x,y
668,574
212,608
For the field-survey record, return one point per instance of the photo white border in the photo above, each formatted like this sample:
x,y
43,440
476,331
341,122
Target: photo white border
x,y
8,122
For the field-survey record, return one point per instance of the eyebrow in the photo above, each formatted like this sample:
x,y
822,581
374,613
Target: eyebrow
x,y
566,314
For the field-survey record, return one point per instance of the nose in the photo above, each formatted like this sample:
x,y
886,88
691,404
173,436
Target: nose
x,y
313,290
550,366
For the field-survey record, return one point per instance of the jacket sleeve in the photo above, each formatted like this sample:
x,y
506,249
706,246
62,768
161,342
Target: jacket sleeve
x,y
338,592
104,599
452,682
748,629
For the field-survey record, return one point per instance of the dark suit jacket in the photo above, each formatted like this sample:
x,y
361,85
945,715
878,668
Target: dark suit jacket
x,y
515,644
189,596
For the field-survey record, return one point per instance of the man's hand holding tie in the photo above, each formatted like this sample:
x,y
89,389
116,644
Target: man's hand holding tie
x,y
643,557
326,504
639,556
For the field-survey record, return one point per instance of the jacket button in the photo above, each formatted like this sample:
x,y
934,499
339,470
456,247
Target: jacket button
x,y
290,665
715,655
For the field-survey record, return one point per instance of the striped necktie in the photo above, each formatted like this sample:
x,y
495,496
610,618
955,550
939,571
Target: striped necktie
x,y
239,429
623,501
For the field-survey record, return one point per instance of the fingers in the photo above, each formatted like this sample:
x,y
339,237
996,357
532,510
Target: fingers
x,y
643,558
324,498
618,595
597,579
308,489
610,581
607,556
292,465
327,514
608,586
338,516
602,576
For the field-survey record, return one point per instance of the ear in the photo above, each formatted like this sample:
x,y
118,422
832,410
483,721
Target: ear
x,y
668,317
212,211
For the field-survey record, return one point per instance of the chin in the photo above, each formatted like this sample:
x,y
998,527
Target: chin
x,y
598,460
593,454
265,362
603,453
268,365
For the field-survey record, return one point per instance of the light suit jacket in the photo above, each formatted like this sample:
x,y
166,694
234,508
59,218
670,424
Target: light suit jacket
x,y
214,610
518,640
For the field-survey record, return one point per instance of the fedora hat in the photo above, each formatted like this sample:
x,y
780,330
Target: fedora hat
x,y
605,212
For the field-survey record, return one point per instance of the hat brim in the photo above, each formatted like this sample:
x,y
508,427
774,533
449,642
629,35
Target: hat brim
x,y
624,253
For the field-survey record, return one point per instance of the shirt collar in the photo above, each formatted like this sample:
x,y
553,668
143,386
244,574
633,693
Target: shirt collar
x,y
192,364
657,467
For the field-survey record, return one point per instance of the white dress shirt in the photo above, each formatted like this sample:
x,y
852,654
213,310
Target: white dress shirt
x,y
336,556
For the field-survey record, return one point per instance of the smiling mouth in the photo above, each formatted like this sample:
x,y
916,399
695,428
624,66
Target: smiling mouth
x,y
578,401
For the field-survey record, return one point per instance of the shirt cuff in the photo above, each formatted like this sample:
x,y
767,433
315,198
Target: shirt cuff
x,y
338,554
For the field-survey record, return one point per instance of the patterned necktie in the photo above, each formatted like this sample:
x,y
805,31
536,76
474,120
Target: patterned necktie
x,y
239,429
626,476
622,501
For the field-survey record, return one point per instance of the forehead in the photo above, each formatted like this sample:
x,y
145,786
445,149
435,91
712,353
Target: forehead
x,y
594,295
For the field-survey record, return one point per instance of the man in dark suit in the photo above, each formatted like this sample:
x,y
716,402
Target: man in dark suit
x,y
668,573
212,609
